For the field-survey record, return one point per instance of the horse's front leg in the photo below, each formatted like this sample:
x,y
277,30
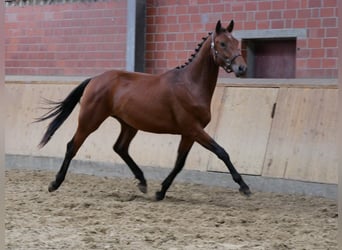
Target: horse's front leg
x,y
209,143
183,151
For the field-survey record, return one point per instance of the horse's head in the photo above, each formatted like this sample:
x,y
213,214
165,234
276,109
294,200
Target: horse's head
x,y
226,50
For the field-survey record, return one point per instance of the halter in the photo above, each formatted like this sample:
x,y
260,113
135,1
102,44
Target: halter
x,y
228,61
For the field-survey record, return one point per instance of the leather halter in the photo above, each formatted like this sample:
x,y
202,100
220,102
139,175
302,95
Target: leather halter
x,y
228,61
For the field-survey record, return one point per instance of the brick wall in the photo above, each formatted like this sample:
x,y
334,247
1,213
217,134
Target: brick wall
x,y
174,29
65,39
88,38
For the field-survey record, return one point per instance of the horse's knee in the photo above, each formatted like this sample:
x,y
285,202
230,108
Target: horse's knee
x,y
118,149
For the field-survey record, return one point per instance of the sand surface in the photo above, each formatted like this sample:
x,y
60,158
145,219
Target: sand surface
x,y
90,212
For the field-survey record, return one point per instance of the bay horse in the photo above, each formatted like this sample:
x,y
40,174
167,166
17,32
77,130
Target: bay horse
x,y
175,102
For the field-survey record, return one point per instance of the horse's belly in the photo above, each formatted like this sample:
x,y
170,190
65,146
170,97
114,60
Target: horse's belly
x,y
152,123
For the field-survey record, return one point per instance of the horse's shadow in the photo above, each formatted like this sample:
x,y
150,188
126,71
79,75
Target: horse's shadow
x,y
227,199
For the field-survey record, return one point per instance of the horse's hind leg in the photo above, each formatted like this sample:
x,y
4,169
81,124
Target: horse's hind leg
x,y
60,176
121,148
183,151
85,127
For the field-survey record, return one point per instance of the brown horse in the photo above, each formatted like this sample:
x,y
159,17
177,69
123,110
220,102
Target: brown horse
x,y
175,102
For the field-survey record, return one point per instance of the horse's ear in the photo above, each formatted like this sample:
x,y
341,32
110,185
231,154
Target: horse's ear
x,y
230,26
218,27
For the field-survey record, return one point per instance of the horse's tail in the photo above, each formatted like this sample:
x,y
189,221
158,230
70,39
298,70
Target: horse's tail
x,y
61,111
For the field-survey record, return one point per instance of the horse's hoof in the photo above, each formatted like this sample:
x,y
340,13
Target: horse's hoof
x,y
52,187
142,188
160,196
245,191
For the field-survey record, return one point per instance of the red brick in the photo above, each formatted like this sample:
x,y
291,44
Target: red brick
x,y
277,24
171,55
331,52
327,12
195,19
275,15
263,25
303,13
264,5
181,9
174,28
200,2
243,16
160,37
313,73
163,11
193,9
329,63
315,3
329,22
278,5
184,19
205,8
287,14
160,20
330,3
331,32
216,8
250,25
251,6
316,32
171,19
317,53
303,52
330,73
314,63
329,42
161,63
299,23
315,43
301,63
186,27
292,4
238,6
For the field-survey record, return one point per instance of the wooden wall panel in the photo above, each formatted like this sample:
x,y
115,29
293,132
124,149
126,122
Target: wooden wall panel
x,y
243,128
299,143
303,138
23,136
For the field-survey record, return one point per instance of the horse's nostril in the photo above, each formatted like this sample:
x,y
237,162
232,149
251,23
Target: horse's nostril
x,y
242,69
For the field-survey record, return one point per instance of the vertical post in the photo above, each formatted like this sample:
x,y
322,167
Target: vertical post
x,y
339,146
130,37
135,38
140,20
2,117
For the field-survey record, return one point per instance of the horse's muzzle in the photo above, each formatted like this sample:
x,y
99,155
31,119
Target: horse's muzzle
x,y
239,70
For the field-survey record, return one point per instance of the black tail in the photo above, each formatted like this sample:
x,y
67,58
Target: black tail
x,y
61,111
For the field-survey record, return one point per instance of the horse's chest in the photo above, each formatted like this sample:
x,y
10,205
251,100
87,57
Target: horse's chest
x,y
198,113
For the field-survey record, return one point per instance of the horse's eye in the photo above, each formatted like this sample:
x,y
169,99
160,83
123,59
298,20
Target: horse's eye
x,y
222,44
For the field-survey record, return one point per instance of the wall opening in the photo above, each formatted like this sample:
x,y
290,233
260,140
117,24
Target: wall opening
x,y
270,58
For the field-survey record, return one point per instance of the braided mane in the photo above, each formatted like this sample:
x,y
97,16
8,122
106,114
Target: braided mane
x,y
196,52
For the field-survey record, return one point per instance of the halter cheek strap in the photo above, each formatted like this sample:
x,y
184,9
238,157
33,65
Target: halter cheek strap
x,y
212,45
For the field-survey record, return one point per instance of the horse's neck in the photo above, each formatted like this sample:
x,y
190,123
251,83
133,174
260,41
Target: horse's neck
x,y
203,70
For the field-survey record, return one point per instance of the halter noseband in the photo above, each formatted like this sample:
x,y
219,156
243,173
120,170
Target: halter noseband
x,y
228,61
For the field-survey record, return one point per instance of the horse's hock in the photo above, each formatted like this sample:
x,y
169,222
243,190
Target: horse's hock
x,y
274,128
